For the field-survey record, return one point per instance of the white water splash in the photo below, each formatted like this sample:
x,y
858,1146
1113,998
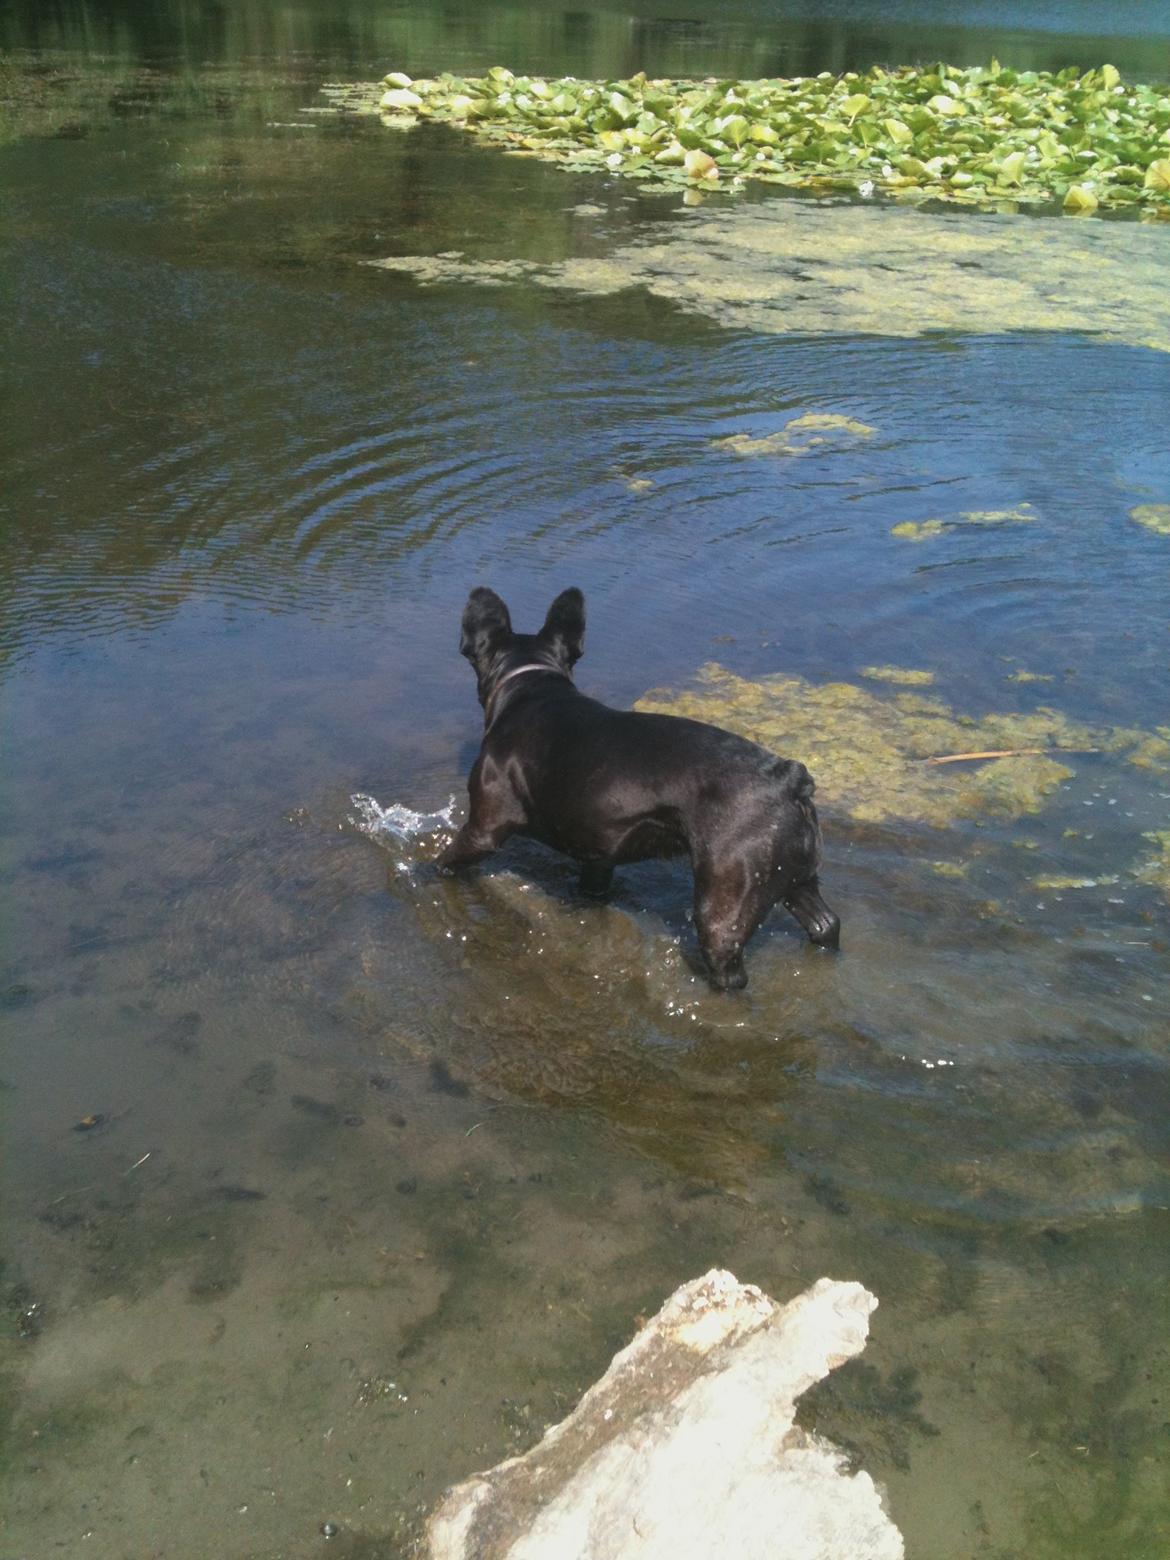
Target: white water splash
x,y
401,825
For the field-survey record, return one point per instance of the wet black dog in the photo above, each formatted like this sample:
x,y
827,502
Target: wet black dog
x,y
607,786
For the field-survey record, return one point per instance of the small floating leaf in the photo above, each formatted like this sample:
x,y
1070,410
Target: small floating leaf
x,y
700,165
1080,200
1158,175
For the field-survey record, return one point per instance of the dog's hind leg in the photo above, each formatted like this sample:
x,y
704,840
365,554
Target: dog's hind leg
x,y
806,904
730,902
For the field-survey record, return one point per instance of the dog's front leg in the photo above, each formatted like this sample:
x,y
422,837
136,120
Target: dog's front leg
x,y
596,879
472,844
822,924
730,902
493,817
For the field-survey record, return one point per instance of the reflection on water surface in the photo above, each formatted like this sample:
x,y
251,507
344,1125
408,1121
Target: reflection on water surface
x,y
386,1164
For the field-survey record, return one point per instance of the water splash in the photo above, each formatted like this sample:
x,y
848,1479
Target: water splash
x,y
399,825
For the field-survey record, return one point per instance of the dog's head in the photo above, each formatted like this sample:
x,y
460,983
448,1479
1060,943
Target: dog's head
x,y
492,648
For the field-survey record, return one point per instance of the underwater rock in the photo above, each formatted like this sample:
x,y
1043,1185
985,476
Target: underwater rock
x,y
687,1446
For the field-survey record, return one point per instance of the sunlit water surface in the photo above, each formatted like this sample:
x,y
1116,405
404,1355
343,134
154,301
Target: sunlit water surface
x,y
386,1165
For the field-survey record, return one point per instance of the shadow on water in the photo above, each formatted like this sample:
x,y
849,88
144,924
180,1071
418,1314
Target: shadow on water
x,y
329,1180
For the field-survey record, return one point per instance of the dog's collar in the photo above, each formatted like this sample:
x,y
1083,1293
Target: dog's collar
x,y
517,671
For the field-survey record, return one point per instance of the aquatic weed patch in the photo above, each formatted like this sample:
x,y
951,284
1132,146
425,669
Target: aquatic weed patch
x,y
799,436
1155,517
832,267
923,530
869,751
986,135
1155,868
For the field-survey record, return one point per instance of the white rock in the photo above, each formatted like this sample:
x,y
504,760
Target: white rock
x,y
686,1448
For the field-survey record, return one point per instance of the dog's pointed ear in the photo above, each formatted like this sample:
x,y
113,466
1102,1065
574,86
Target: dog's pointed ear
x,y
564,627
486,626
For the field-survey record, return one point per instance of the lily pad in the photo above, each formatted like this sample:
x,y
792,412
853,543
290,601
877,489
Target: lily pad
x,y
1079,141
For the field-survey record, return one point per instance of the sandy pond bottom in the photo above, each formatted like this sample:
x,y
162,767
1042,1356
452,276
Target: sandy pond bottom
x,y
377,1244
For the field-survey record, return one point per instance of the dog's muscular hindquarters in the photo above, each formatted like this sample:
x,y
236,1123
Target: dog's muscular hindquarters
x,y
608,786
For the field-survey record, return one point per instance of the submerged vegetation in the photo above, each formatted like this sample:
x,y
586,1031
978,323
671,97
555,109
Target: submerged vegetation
x,y
986,135
799,436
1155,868
923,530
868,752
848,268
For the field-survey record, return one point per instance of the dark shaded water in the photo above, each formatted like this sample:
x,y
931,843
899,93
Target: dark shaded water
x,y
387,1167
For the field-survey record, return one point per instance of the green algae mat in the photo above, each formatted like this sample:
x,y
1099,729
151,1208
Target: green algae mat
x,y
872,754
986,135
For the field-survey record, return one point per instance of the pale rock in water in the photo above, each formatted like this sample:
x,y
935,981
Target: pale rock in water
x,y
686,1448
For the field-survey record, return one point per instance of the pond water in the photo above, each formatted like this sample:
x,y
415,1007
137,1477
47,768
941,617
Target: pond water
x,y
386,1167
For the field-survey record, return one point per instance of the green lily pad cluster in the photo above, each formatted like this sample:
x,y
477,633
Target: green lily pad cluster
x,y
987,135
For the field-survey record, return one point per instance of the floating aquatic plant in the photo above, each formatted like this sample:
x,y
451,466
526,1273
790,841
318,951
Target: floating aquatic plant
x,y
799,436
856,268
1155,517
905,676
923,530
986,135
868,751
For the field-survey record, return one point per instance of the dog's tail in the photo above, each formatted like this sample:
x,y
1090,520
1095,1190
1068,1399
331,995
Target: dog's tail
x,y
795,779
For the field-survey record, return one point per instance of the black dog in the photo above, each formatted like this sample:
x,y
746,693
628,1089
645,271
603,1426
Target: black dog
x,y
606,786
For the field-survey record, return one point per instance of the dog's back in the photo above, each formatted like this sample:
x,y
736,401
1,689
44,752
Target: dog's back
x,y
600,783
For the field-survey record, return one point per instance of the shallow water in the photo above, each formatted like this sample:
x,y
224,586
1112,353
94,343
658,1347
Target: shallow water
x,y
388,1165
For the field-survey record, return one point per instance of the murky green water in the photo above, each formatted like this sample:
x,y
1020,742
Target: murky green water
x,y
387,1167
